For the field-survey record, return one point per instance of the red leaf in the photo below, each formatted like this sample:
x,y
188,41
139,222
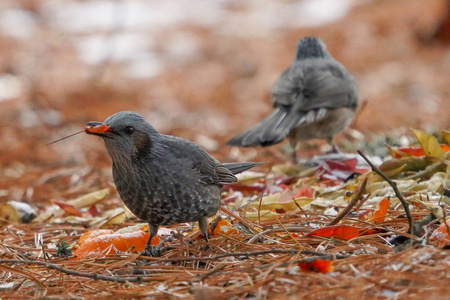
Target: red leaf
x,y
317,265
337,170
232,197
252,188
280,211
68,208
345,232
305,191
93,211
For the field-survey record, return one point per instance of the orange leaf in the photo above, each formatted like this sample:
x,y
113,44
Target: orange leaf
x,y
345,232
104,242
93,234
362,215
442,233
222,226
414,151
68,208
380,214
317,265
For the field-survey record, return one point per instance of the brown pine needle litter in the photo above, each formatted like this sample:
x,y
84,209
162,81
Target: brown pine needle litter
x,y
258,257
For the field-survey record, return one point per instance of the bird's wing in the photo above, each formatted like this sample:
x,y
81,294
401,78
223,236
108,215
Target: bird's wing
x,y
288,86
326,85
191,157
314,84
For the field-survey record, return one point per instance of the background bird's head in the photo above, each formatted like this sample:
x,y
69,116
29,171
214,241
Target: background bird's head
x,y
311,47
127,136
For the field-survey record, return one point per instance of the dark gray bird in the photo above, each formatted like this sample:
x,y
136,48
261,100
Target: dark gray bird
x,y
163,179
315,98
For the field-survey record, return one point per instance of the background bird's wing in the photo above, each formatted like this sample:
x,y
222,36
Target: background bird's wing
x,y
275,127
326,84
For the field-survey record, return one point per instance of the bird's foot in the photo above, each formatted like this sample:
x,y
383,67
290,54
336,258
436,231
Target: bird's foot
x,y
157,251
153,251
334,150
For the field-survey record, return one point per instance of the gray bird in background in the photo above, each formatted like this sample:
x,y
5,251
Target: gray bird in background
x,y
315,98
163,179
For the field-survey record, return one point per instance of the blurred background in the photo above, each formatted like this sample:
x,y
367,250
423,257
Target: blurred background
x,y
202,70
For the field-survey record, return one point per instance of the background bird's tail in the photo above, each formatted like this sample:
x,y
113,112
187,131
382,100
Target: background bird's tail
x,y
272,130
237,168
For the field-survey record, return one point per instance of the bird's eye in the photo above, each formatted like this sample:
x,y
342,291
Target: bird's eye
x,y
129,129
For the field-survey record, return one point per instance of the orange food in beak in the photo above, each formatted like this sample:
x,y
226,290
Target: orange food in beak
x,y
97,129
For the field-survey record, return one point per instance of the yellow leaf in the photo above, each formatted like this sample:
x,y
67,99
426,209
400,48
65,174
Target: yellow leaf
x,y
446,136
274,201
262,215
429,144
8,212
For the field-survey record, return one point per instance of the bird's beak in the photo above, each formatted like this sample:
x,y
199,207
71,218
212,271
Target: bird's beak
x,y
97,128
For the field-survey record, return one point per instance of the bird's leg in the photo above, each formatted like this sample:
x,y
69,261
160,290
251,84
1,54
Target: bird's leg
x,y
203,225
149,249
153,232
334,147
293,143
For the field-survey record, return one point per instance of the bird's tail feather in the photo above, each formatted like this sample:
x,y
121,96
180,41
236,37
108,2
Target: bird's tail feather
x,y
237,168
272,130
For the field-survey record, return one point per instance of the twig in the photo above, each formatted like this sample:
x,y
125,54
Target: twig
x,y
66,137
272,230
445,218
361,203
72,272
23,273
246,254
210,273
352,203
290,235
239,218
396,190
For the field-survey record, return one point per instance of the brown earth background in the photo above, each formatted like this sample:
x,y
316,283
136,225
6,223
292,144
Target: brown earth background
x,y
205,75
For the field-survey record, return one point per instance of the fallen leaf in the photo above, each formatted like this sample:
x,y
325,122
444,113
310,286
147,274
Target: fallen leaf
x,y
222,227
409,163
446,136
68,208
19,212
246,189
316,265
93,211
442,233
345,232
103,242
305,191
9,213
84,201
429,144
380,214
280,201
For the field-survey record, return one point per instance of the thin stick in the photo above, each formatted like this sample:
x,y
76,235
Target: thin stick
x,y
272,230
72,272
246,254
239,218
65,137
352,203
396,190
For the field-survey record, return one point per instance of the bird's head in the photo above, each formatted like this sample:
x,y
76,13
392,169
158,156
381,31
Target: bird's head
x,y
127,135
311,47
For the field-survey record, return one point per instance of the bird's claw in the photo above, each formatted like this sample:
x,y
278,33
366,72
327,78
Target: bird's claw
x,y
153,251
